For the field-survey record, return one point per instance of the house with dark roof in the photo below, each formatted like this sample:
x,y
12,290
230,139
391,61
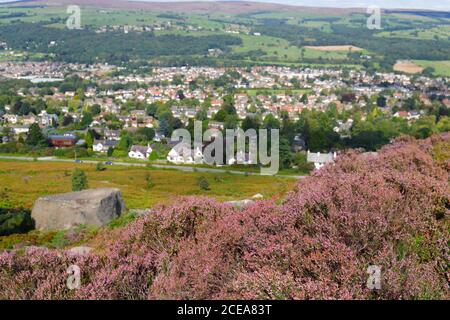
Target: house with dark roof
x,y
140,152
104,145
62,141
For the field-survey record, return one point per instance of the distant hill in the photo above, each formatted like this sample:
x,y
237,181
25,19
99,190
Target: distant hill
x,y
230,7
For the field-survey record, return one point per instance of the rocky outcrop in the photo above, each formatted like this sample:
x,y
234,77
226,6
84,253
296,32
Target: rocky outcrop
x,y
89,207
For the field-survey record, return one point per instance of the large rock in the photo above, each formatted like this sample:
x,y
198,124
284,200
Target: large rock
x,y
90,207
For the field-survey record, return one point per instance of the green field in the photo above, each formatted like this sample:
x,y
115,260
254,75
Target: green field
x,y
284,47
441,32
24,182
441,68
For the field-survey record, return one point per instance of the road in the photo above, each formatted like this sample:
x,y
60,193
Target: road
x,y
159,166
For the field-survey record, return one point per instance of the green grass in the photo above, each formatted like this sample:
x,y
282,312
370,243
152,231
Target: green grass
x,y
24,182
326,55
441,32
442,68
272,46
53,239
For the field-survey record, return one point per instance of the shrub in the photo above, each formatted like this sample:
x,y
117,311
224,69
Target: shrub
x,y
203,183
79,180
153,156
15,221
100,167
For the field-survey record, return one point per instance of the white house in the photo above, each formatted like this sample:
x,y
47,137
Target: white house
x,y
47,119
112,134
320,159
104,145
158,137
182,154
20,129
140,152
11,118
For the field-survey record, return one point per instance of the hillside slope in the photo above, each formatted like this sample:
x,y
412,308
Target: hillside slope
x,y
389,210
198,7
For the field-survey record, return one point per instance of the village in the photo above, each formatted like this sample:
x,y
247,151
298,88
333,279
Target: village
x,y
107,104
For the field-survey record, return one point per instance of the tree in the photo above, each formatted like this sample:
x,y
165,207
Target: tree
x,y
250,123
220,115
202,114
148,133
68,120
428,71
7,133
125,142
381,101
270,122
304,98
203,183
152,109
35,136
164,127
89,138
228,104
180,95
231,122
87,119
79,180
286,156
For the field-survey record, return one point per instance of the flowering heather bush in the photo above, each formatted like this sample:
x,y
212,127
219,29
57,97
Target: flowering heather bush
x,y
389,210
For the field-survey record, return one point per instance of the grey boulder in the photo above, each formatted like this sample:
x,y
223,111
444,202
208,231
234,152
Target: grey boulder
x,y
89,207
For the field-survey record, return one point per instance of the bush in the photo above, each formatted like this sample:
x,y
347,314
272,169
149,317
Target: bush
x,y
119,153
100,167
79,180
203,183
15,221
153,156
